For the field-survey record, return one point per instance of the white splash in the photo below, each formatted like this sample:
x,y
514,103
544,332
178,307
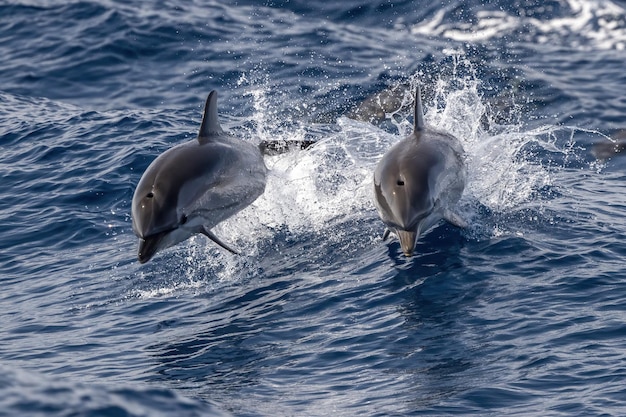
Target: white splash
x,y
327,189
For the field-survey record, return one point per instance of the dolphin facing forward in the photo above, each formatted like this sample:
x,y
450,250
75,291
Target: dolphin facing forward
x,y
418,180
192,187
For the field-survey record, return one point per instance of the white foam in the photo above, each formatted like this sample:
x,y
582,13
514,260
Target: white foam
x,y
591,24
312,190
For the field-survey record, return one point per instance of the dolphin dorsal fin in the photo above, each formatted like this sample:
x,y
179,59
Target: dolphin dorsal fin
x,y
418,112
210,124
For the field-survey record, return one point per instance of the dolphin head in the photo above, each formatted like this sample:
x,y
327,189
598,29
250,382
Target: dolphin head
x,y
154,212
152,222
164,206
403,195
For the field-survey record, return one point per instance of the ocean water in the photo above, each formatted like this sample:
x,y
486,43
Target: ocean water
x,y
521,313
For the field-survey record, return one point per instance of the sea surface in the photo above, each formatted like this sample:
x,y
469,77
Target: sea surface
x,y
521,313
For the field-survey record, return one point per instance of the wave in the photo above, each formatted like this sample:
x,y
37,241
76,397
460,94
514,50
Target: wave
x,y
26,393
581,24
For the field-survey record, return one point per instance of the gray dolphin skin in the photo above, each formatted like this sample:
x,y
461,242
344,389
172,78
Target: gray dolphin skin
x,y
418,181
192,187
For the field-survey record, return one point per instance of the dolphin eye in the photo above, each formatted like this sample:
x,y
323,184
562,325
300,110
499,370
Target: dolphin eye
x,y
150,195
183,219
400,182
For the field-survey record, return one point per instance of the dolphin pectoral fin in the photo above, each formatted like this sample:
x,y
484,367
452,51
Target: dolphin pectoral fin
x,y
454,219
215,239
386,234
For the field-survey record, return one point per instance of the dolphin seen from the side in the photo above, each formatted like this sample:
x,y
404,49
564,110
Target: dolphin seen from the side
x,y
192,187
606,150
418,181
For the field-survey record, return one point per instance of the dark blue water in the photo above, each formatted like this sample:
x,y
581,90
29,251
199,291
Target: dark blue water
x,y
522,313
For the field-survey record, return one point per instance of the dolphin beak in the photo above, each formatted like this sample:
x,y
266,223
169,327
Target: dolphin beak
x,y
407,241
148,247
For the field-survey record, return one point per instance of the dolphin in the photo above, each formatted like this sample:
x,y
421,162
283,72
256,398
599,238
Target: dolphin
x,y
606,150
418,181
193,186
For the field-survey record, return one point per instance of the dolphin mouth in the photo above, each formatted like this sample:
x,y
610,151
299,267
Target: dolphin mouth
x,y
148,247
407,241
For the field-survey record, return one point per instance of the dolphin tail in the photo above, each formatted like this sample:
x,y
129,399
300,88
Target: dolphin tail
x,y
208,233
418,111
210,124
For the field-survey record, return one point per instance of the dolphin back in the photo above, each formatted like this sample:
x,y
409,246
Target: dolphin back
x,y
210,126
